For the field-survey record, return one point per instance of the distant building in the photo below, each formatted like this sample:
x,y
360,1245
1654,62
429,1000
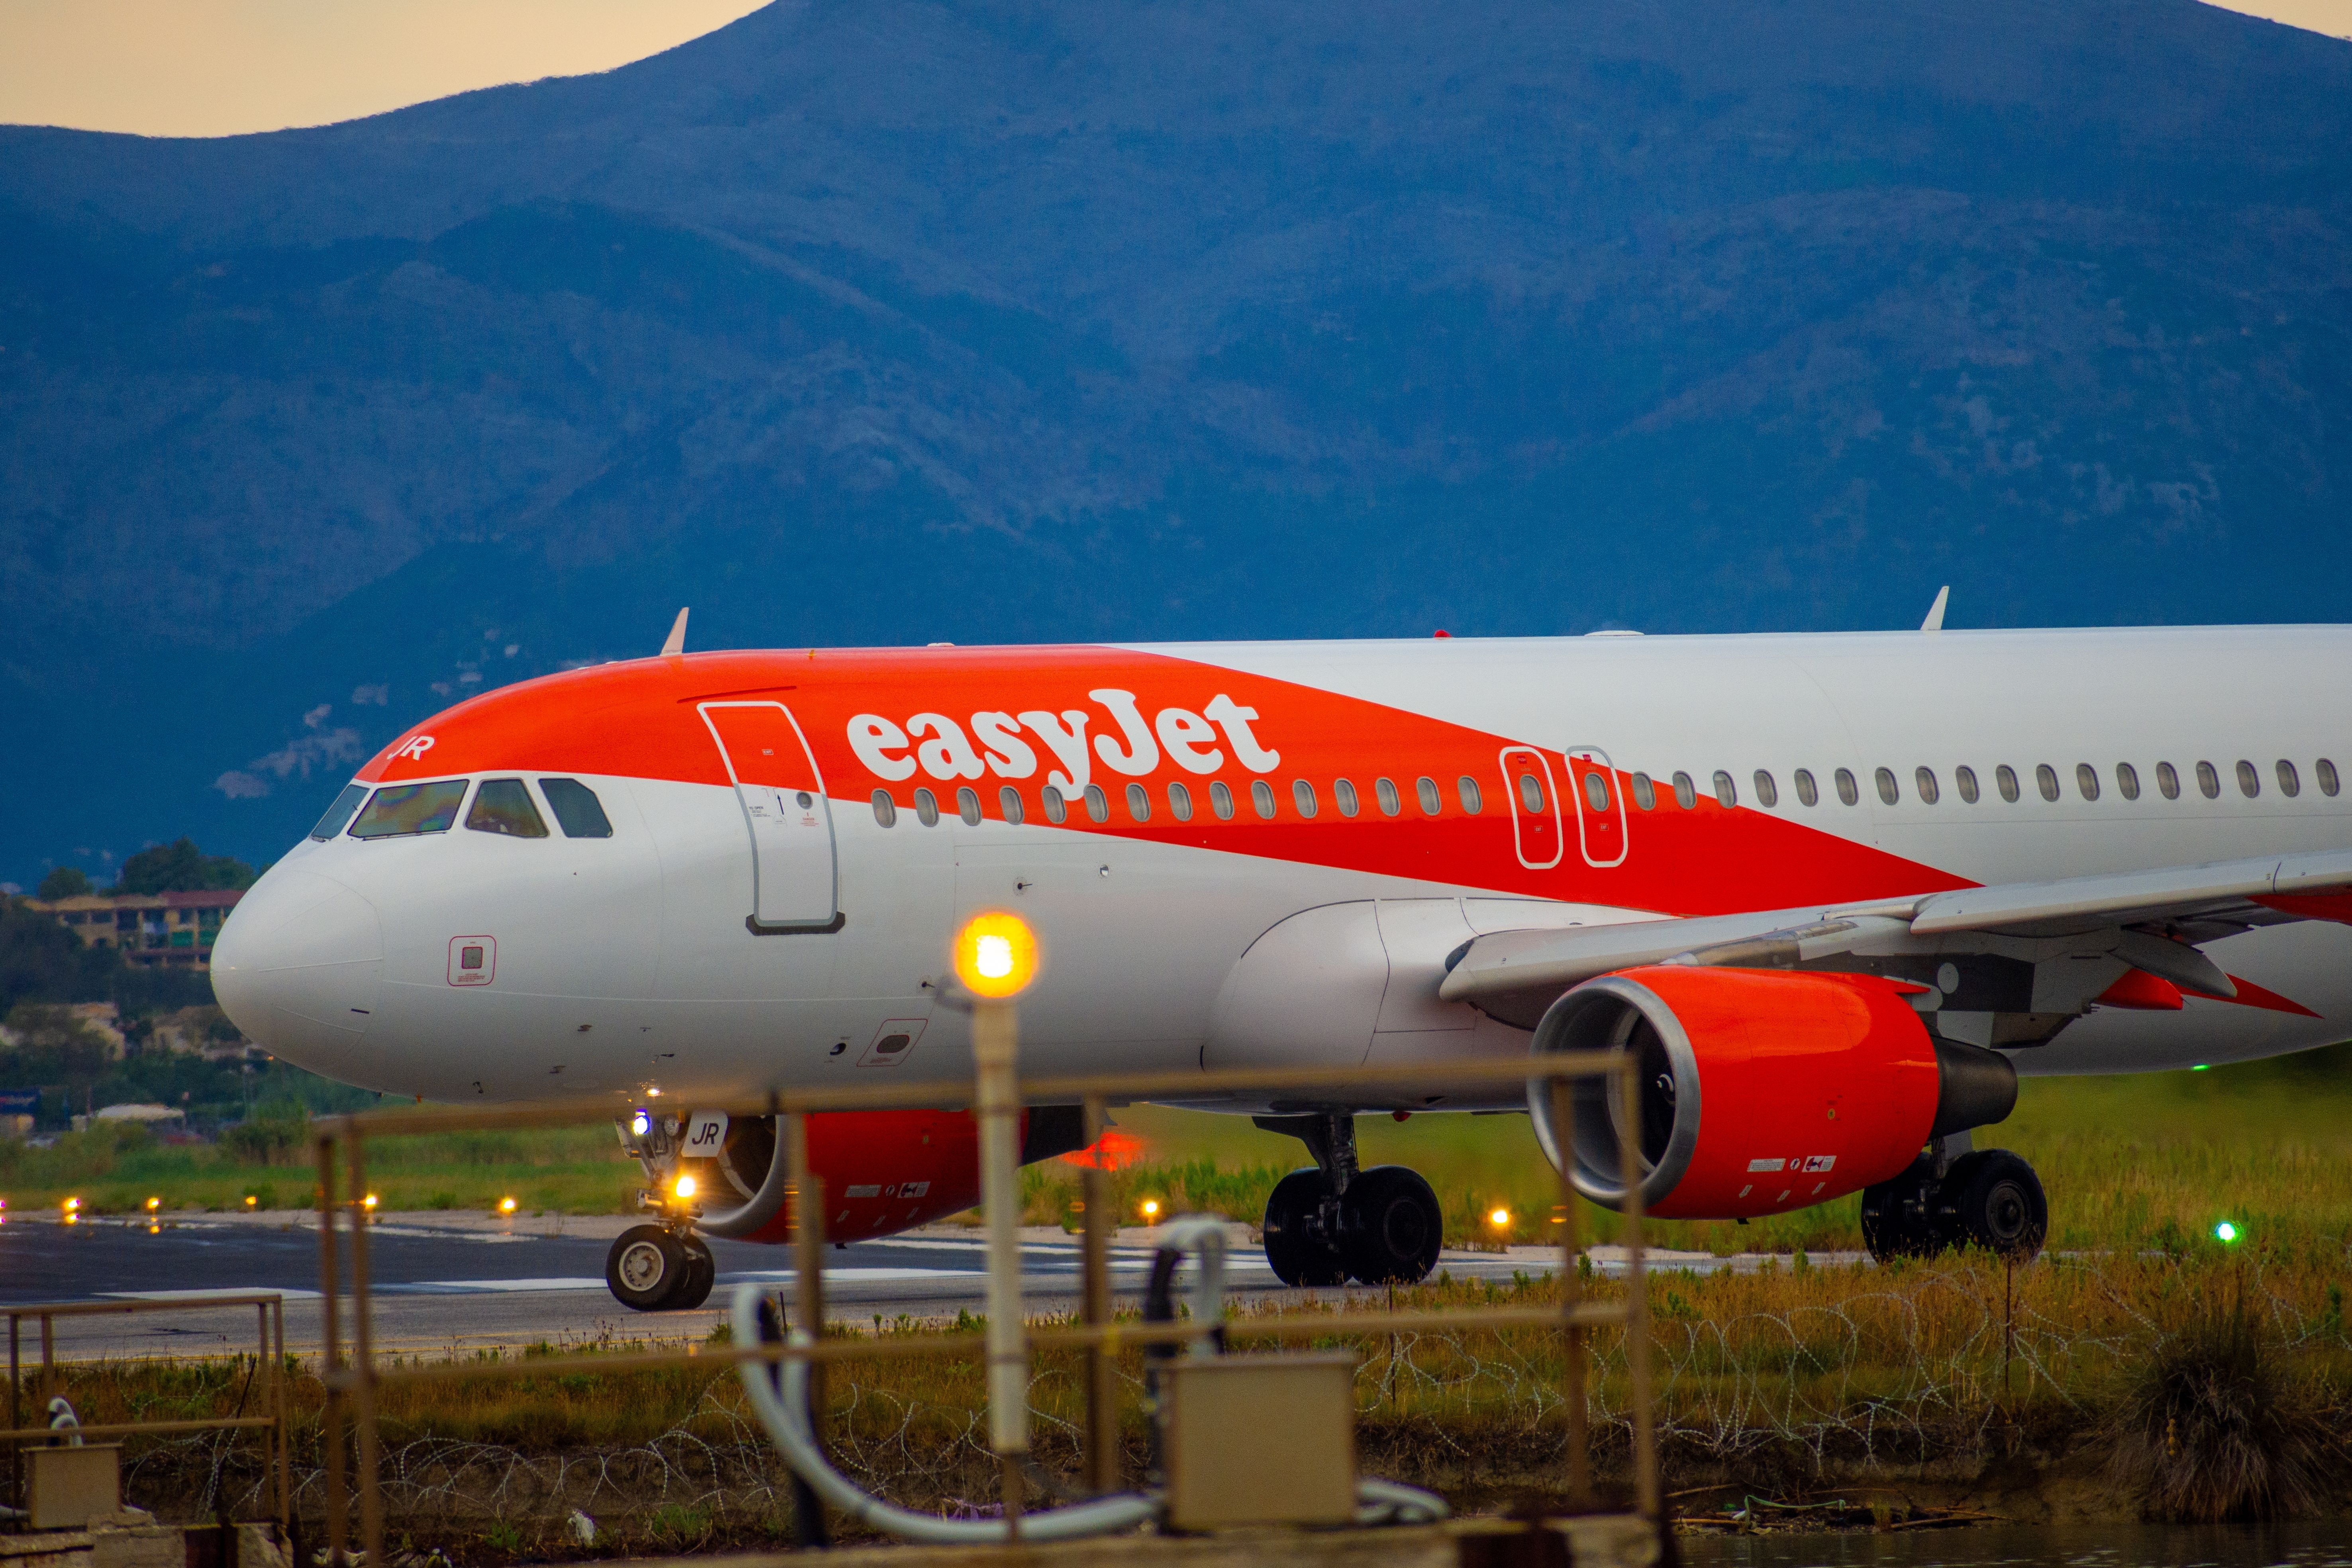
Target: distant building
x,y
155,929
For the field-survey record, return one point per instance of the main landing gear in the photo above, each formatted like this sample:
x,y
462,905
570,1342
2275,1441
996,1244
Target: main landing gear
x,y
660,1268
1334,1222
1949,1198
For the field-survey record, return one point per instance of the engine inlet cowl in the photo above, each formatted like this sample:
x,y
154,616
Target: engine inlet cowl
x,y
1760,1090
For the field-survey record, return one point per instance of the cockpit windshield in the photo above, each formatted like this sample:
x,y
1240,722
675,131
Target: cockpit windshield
x,y
503,805
339,815
405,809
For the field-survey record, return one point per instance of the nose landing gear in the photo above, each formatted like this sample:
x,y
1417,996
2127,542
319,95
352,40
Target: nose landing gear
x,y
1331,1223
1989,1198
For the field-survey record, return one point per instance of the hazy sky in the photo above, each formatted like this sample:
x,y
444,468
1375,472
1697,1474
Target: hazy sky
x,y
215,67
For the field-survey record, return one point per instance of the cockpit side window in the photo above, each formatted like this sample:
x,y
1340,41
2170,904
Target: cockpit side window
x,y
406,809
339,815
503,805
577,810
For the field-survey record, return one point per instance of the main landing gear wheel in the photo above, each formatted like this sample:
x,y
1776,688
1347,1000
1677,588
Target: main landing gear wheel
x,y
1389,1227
1996,1203
1989,1199
654,1269
1297,1243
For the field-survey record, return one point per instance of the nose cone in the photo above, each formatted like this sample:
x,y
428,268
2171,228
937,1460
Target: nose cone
x,y
297,966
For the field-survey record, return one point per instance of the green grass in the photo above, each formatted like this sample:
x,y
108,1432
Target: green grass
x,y
2147,1161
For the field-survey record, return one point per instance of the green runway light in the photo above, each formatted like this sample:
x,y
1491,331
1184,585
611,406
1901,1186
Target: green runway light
x,y
2225,1231
2202,1066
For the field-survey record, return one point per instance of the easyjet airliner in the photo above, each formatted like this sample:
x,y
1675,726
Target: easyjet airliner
x,y
1838,892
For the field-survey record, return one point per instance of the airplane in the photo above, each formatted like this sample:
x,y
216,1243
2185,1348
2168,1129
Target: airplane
x,y
1837,891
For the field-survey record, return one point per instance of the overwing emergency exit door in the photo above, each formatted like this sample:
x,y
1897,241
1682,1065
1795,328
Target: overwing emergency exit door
x,y
1528,782
795,877
1599,807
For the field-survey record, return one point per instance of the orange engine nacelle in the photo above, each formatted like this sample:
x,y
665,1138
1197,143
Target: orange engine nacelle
x,y
1761,1091
883,1170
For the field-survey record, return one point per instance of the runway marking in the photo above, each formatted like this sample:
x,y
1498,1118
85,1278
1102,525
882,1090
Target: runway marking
x,y
214,1293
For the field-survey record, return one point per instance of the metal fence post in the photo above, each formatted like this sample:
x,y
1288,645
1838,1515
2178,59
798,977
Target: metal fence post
x,y
1637,1310
994,1052
1571,1298
809,1527
331,1413
1102,1387
363,1365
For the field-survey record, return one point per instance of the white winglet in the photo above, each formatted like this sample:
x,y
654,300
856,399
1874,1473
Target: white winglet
x,y
1934,622
676,641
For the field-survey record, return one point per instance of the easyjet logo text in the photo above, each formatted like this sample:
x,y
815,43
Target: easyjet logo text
x,y
1001,743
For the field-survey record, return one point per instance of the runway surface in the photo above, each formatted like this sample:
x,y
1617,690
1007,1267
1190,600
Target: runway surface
x,y
445,1283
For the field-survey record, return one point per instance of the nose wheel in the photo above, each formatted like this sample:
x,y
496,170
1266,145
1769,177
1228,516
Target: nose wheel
x,y
656,1268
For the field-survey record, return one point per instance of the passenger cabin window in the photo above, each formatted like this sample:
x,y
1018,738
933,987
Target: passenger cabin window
x,y
927,808
968,805
1139,803
2087,781
2290,782
1768,794
347,804
503,805
1385,792
1646,794
1425,790
1531,793
1302,795
1686,791
1964,779
1220,801
1008,801
2126,781
2168,781
1057,810
577,810
1808,793
1097,804
2249,782
1343,794
1727,793
2045,779
1888,790
1924,780
2004,779
1262,800
2208,781
1596,791
1848,791
2328,784
1467,788
404,810
885,810
1180,802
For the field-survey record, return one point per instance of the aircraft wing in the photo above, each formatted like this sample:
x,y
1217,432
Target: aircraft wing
x,y
2149,920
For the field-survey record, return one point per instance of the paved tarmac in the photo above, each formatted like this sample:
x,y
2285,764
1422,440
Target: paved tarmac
x,y
446,1283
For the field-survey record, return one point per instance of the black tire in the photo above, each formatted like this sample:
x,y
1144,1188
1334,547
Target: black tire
x,y
1899,1219
1389,1227
1996,1202
1295,1244
701,1274
646,1268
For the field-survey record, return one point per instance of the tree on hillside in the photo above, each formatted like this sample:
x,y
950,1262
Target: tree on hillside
x,y
65,882
182,868
40,961
51,1047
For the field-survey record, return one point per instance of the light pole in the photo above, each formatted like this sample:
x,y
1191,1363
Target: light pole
x,y
996,957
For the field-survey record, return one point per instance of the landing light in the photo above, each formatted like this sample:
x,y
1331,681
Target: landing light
x,y
684,1188
996,954
641,1123
2225,1233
